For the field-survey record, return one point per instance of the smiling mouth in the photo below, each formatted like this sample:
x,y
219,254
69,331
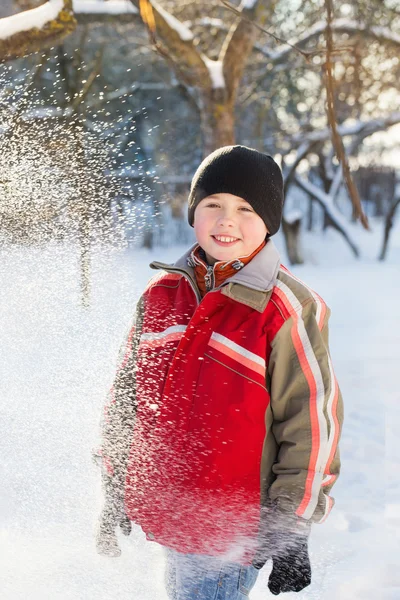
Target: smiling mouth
x,y
225,239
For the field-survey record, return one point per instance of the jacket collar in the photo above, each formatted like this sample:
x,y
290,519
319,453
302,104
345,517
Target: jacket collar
x,y
252,285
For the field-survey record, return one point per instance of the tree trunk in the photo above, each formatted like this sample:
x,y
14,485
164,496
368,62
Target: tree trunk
x,y
291,231
310,220
326,182
217,122
388,227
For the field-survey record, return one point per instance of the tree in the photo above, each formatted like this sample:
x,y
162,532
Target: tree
x,y
223,127
212,83
276,100
388,226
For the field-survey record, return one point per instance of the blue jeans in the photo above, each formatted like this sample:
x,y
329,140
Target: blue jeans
x,y
199,577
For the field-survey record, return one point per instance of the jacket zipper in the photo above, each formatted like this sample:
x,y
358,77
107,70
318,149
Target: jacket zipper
x,y
209,278
191,281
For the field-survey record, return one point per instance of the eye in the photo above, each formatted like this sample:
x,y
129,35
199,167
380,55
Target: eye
x,y
246,209
212,205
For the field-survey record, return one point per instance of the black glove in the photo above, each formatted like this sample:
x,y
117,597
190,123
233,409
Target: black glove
x,y
291,568
112,516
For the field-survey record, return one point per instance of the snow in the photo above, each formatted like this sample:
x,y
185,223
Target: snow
x,y
111,7
249,4
47,112
208,22
36,17
182,30
293,215
216,70
57,362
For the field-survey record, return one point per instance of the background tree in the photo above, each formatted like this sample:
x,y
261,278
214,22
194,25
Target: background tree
x,y
276,95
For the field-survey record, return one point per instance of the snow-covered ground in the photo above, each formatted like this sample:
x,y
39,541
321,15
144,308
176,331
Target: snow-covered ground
x,y
57,362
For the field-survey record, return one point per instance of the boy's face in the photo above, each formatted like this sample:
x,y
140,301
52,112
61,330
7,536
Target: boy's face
x,y
227,227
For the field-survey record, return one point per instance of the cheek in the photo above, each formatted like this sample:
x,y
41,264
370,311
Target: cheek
x,y
201,227
256,231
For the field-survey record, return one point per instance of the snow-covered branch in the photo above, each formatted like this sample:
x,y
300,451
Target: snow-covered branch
x,y
360,128
90,12
208,22
174,41
358,131
36,17
382,34
35,29
216,72
184,32
333,213
99,7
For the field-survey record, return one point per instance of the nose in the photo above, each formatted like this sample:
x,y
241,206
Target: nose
x,y
225,221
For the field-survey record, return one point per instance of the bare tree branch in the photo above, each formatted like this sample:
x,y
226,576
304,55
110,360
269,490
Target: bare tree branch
x,y
77,101
237,47
253,23
281,53
336,138
361,128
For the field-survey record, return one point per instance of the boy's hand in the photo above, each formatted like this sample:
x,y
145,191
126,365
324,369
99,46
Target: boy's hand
x,y
112,516
291,569
106,537
285,542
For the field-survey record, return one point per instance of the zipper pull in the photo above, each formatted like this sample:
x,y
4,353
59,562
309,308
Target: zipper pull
x,y
238,264
208,278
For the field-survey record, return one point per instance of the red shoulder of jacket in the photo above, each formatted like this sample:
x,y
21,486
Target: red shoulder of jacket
x,y
163,279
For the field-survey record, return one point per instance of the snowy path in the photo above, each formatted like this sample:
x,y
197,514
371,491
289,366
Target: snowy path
x,y
57,363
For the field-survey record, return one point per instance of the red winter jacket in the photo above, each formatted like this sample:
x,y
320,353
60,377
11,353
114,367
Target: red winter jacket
x,y
223,405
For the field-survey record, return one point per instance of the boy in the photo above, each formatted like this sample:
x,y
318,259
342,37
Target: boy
x,y
221,436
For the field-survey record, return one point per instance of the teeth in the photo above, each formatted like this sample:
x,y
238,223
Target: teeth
x,y
224,238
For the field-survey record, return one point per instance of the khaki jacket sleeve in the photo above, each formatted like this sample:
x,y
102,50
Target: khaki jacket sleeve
x,y
120,409
307,417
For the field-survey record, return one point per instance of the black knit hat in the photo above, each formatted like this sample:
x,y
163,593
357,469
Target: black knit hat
x,y
243,172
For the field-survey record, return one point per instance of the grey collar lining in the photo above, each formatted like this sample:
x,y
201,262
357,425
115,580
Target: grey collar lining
x,y
259,274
